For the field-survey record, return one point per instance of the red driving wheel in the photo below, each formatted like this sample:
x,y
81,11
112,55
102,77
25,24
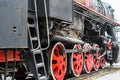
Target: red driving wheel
x,y
88,59
96,61
77,61
58,61
103,62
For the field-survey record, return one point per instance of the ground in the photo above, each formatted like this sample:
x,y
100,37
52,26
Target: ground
x,y
112,76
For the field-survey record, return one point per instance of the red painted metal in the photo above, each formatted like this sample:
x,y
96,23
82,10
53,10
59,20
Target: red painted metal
x,y
109,44
88,62
58,64
10,55
87,2
95,60
103,62
88,59
77,61
97,13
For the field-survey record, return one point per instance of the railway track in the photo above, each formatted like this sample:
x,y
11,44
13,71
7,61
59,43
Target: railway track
x,y
91,76
97,74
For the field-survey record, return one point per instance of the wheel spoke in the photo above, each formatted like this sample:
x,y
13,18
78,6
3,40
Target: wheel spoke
x,y
54,66
75,55
77,69
57,52
55,70
54,57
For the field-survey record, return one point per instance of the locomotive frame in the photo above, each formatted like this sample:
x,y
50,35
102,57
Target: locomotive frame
x,y
57,40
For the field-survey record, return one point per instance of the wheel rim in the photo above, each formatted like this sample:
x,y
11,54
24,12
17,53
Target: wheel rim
x,y
96,65
58,62
88,59
76,61
103,62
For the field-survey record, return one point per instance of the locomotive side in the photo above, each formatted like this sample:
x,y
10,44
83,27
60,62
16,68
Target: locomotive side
x,y
56,39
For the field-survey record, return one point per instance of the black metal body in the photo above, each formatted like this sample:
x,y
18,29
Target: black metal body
x,y
57,9
13,24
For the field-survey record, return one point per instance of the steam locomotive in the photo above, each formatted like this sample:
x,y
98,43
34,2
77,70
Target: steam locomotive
x,y
55,39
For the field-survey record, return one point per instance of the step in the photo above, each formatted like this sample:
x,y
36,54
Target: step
x,y
31,25
39,65
34,38
43,78
37,51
